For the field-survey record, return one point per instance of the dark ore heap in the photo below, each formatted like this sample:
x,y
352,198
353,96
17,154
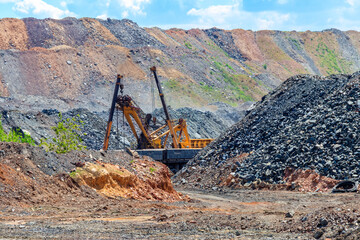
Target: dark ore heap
x,y
308,122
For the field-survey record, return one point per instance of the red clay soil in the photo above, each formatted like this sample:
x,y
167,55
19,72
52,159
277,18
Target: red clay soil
x,y
22,182
294,179
308,180
149,181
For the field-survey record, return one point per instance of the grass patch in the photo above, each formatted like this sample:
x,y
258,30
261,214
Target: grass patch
x,y
77,171
230,67
188,45
296,43
218,65
216,48
237,90
330,60
206,87
15,135
171,84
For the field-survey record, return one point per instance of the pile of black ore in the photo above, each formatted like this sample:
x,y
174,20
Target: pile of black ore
x,y
308,122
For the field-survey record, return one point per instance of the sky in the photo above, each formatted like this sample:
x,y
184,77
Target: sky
x,y
285,15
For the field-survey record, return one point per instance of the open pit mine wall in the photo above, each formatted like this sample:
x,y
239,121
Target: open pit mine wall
x,y
73,62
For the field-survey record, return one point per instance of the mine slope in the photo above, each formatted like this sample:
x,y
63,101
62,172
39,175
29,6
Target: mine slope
x,y
302,136
72,63
308,122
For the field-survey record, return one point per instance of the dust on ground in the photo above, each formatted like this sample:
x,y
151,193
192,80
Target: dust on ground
x,y
231,214
94,202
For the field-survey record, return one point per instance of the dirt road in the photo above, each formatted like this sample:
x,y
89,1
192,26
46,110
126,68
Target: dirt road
x,y
217,215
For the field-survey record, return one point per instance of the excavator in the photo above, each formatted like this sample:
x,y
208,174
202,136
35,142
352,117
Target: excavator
x,y
155,142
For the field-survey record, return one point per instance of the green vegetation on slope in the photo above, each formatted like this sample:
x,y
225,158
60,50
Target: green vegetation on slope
x,y
67,136
15,136
330,60
188,45
278,62
216,48
295,42
171,84
187,92
238,90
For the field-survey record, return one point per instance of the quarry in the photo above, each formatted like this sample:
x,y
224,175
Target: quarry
x,y
271,119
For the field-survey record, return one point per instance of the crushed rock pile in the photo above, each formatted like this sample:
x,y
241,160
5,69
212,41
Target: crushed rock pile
x,y
309,122
200,124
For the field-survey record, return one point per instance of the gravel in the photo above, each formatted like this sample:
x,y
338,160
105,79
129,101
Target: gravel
x,y
130,34
309,122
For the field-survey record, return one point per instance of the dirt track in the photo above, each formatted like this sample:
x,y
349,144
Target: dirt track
x,y
240,214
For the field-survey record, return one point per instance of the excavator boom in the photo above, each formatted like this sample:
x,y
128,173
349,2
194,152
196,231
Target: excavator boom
x,y
108,128
167,115
154,143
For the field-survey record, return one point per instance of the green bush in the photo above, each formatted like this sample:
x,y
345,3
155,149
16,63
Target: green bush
x,y
188,45
15,136
67,136
230,67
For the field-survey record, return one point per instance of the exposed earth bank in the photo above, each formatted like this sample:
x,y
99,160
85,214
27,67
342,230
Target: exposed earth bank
x,y
29,175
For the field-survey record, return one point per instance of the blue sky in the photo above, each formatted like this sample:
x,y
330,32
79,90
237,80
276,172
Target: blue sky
x,y
299,15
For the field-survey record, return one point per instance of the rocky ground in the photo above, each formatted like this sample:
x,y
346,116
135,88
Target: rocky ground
x,y
208,215
40,199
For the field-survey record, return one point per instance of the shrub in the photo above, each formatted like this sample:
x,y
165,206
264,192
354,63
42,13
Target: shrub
x,y
15,135
67,136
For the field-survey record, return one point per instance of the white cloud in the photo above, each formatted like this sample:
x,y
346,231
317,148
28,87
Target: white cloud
x,y
346,19
41,9
350,2
232,16
134,6
270,20
215,14
63,4
103,16
124,14
7,1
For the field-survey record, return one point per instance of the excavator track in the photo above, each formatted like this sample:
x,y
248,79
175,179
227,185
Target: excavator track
x,y
175,159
